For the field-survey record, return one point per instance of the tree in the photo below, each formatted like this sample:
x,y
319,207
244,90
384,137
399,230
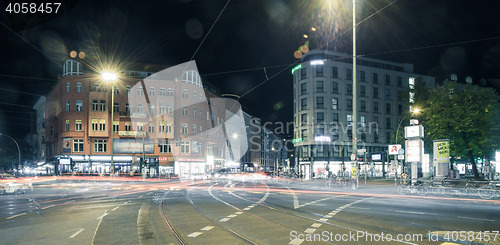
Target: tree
x,y
464,114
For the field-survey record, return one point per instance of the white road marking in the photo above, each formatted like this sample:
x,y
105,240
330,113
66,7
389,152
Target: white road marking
x,y
231,216
207,228
195,234
310,230
238,213
487,220
98,224
224,219
49,206
15,216
410,212
102,216
316,225
115,208
297,242
76,233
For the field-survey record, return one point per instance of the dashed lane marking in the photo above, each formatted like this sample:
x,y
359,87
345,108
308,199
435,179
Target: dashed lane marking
x,y
76,233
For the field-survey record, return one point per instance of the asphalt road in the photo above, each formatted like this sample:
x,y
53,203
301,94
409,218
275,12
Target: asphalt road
x,y
232,211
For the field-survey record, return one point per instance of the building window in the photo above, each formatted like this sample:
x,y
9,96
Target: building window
x,y
184,129
335,87
100,145
102,105
335,72
128,126
77,145
319,87
78,87
161,127
303,133
78,125
152,109
67,126
335,117
127,108
169,109
349,104
68,105
52,130
128,89
387,108
320,103
102,125
194,111
95,105
375,92
67,87
140,91
151,91
375,107
116,107
303,73
116,126
115,90
303,119
375,137
320,117
349,119
184,111
139,126
168,128
363,106
165,147
375,78
140,109
335,104
163,92
319,70
349,89
388,137
303,104
349,74
161,109
170,92
194,96
184,94
362,120
387,80
362,77
362,91
151,127
400,82
78,105
195,129
388,94
400,97
184,146
303,89
400,109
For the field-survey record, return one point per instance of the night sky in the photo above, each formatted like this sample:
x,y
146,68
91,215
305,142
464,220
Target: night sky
x,y
244,47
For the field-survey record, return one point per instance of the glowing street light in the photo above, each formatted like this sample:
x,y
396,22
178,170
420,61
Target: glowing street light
x,y
415,111
111,77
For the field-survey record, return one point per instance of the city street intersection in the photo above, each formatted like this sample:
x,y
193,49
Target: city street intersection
x,y
78,210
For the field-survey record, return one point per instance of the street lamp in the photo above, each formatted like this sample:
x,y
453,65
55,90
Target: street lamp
x,y
18,149
414,111
111,77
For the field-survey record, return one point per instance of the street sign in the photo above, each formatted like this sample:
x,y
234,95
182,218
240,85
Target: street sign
x,y
353,157
401,157
361,151
393,149
401,151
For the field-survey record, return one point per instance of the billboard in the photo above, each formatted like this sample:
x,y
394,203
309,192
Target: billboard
x,y
133,146
414,150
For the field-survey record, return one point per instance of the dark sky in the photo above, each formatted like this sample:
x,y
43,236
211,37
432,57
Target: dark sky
x,y
233,44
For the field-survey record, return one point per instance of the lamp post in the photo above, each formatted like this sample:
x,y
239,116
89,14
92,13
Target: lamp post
x,y
414,111
111,77
18,150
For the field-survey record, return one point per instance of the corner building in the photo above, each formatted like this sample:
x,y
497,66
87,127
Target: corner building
x,y
323,106
170,121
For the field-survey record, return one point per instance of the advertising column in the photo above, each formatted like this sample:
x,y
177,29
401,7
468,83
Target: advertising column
x,y
414,149
441,158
